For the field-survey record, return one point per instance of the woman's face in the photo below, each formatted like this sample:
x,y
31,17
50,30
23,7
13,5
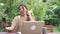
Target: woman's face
x,y
23,10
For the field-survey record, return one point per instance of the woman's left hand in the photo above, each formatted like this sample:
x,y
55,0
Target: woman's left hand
x,y
30,12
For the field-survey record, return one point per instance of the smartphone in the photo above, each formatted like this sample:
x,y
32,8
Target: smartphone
x,y
3,22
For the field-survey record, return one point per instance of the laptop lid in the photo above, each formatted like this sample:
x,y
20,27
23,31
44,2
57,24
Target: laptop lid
x,y
32,27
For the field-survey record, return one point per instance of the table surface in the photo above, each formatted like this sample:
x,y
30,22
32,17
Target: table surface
x,y
7,33
16,33
53,33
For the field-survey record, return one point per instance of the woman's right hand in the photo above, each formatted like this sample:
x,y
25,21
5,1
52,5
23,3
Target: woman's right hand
x,y
7,28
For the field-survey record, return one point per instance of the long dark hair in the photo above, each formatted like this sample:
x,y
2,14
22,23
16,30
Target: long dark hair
x,y
26,11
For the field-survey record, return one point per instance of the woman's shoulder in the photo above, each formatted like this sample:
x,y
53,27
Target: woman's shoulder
x,y
17,17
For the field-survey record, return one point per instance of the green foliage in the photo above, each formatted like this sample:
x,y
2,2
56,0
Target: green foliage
x,y
42,10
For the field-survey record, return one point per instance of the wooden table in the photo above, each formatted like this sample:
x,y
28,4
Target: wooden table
x,y
16,33
7,33
54,33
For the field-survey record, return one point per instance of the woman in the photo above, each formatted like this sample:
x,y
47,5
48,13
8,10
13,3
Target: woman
x,y
18,20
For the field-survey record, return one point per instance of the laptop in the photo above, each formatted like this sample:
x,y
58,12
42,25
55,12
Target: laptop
x,y
32,27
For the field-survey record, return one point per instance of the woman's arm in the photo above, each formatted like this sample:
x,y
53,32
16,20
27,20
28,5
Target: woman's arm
x,y
14,23
32,18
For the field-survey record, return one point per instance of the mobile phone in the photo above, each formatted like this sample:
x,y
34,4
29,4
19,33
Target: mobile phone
x,y
4,20
3,23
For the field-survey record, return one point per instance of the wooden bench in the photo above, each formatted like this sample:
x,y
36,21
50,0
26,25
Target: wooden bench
x,y
49,27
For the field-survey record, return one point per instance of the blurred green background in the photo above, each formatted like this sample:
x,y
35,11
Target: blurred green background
x,y
47,10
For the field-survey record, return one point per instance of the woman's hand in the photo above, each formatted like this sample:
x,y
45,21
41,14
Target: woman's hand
x,y
30,12
32,18
9,28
